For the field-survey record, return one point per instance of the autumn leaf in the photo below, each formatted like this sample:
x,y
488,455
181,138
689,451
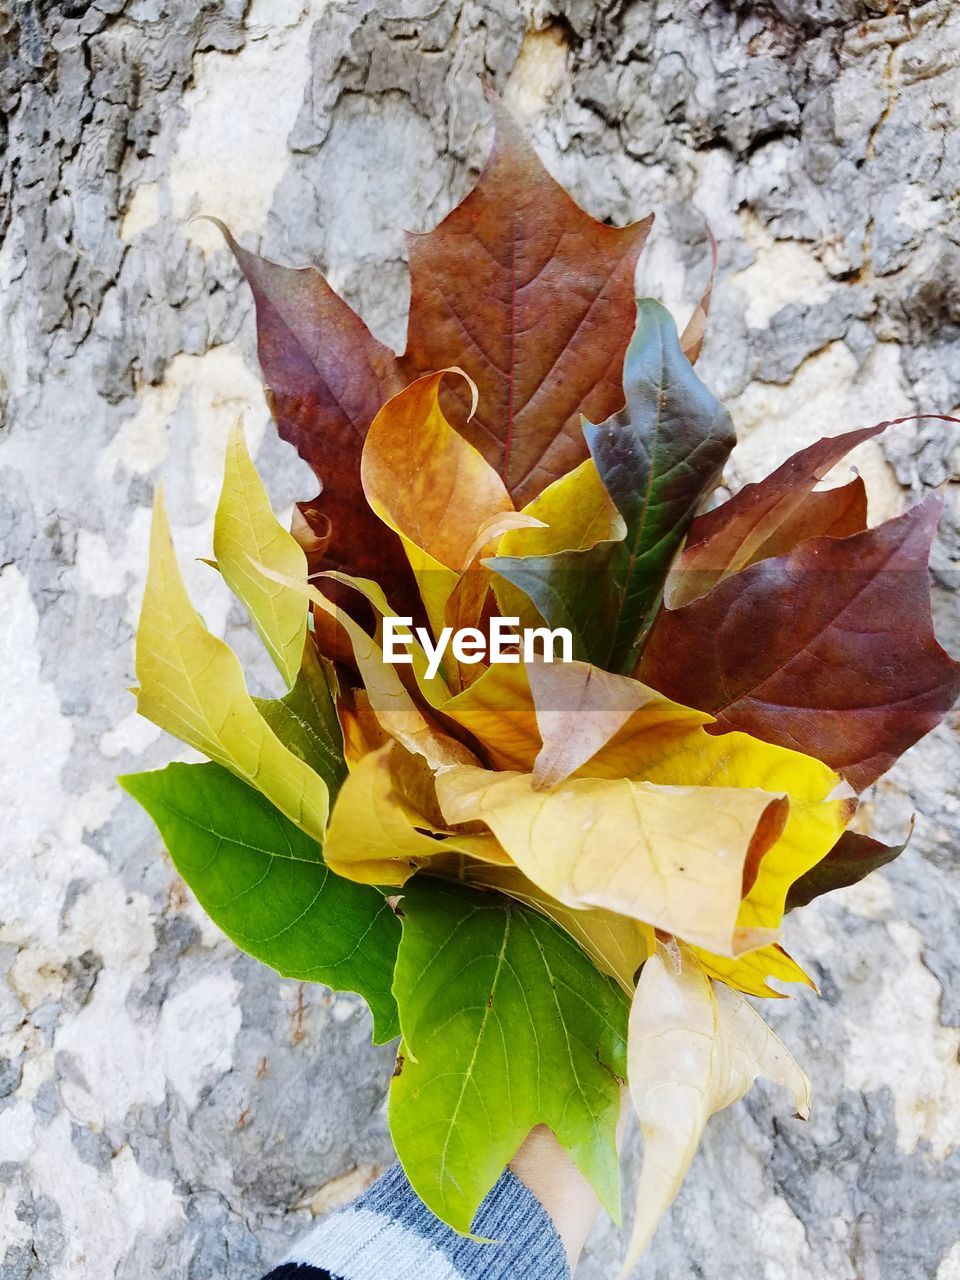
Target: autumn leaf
x,y
431,488
694,1048
595,724
497,709
376,836
531,296
773,516
849,670
506,1024
770,518
853,856
264,883
580,708
391,702
574,513
824,513
325,378
658,457
669,856
535,298
192,685
751,973
246,530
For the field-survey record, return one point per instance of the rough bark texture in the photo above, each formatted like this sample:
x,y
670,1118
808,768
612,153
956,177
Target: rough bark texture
x,y
167,1107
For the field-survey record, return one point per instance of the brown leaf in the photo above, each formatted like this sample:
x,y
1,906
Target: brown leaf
x,y
691,340
829,650
325,378
768,513
531,296
853,856
773,516
827,513
535,299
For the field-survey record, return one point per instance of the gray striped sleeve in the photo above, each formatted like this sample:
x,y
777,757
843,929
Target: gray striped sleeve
x,y
389,1234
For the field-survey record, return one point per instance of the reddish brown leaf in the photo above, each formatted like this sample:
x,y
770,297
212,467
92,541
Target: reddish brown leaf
x,y
851,858
734,534
773,516
325,378
518,286
534,299
828,513
829,650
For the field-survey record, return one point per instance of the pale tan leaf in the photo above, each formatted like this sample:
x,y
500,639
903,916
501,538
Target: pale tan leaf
x,y
694,1048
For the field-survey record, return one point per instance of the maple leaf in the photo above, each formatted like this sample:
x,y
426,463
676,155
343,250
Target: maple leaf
x,y
774,515
694,1048
264,882
658,458
518,286
506,1024
829,650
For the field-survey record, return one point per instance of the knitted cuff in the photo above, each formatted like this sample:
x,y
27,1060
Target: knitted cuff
x,y
389,1232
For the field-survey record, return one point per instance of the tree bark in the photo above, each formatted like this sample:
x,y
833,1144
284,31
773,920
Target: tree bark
x,y
168,1107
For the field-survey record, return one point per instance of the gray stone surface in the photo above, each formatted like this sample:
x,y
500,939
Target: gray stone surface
x,y
167,1107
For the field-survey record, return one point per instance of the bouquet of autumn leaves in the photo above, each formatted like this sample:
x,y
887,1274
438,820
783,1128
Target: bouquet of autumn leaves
x,y
550,879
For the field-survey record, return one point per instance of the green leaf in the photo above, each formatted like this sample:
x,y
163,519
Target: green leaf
x,y
572,589
264,882
506,1024
306,721
658,457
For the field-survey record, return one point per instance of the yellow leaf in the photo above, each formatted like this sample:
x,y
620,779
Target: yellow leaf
x,y
377,835
498,710
749,973
669,856
362,731
600,725
681,755
573,514
580,708
246,530
192,685
693,1049
389,698
432,488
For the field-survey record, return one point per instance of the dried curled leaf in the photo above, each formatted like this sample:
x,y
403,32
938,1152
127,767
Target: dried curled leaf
x,y
694,1048
376,836
433,489
669,856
